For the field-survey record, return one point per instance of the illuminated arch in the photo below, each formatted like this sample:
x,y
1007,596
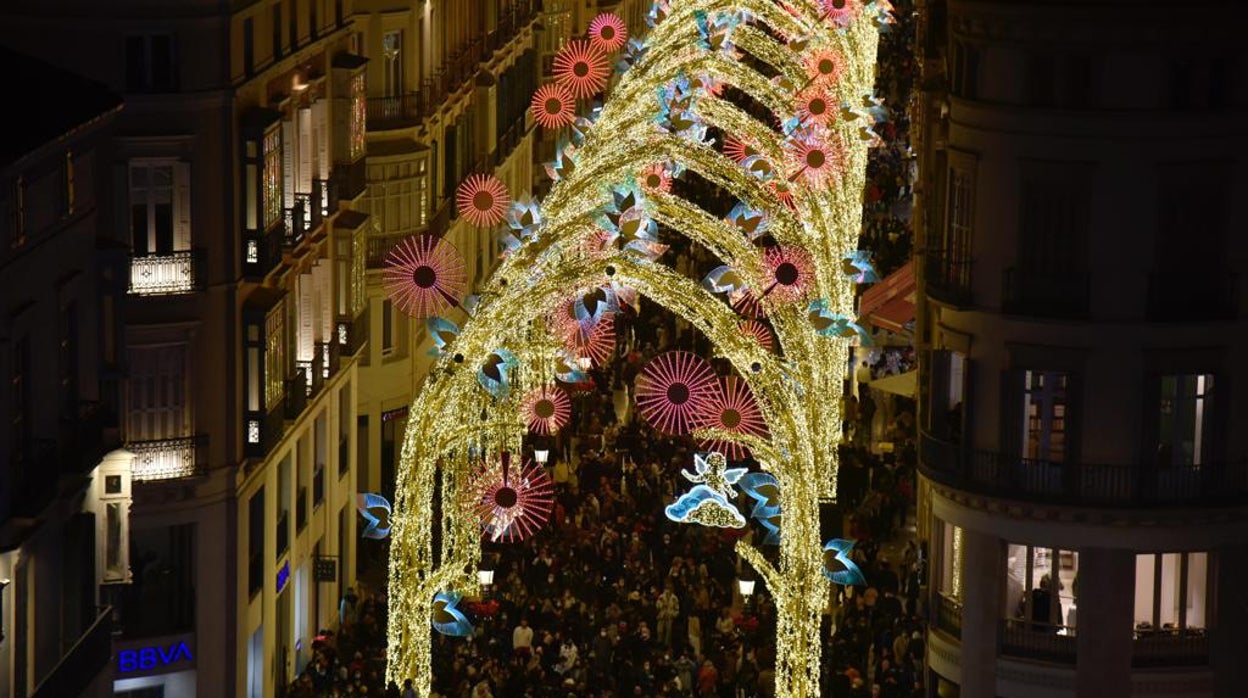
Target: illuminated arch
x,y
797,393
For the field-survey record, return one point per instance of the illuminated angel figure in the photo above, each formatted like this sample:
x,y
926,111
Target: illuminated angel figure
x,y
608,32
553,106
546,410
735,412
712,471
759,332
790,273
708,502
582,68
424,275
673,389
511,505
446,616
482,200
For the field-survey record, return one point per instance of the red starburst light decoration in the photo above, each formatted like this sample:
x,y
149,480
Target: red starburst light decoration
x,y
818,157
814,105
790,272
737,149
553,106
656,178
840,12
759,331
424,275
581,67
783,192
597,344
747,304
546,410
825,67
736,412
673,389
482,200
608,32
511,503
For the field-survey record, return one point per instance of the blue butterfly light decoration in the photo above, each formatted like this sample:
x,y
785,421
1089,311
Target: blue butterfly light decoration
x,y
365,503
840,569
493,372
447,618
764,489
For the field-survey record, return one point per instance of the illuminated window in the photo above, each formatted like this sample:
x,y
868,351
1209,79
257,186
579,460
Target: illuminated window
x,y
274,355
1171,592
157,406
392,51
1042,586
358,116
272,193
1183,419
1044,413
950,581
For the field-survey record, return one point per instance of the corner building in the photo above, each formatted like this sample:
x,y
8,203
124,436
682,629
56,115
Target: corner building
x,y
1083,388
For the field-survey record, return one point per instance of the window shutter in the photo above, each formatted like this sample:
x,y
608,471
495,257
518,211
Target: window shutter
x,y
324,309
1150,436
121,194
288,164
1011,414
181,206
1074,417
305,317
320,127
304,116
1217,403
938,394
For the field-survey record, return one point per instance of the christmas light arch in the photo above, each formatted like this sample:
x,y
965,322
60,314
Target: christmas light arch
x,y
797,391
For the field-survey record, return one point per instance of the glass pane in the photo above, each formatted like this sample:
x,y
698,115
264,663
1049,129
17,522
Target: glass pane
x,y
1197,587
1015,581
112,551
1169,590
1144,566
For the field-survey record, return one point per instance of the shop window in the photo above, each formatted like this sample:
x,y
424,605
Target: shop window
x,y
1042,587
1171,593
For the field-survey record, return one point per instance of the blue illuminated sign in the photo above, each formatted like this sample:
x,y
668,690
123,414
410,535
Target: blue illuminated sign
x,y
283,576
146,658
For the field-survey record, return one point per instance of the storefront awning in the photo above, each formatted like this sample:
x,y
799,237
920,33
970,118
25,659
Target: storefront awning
x,y
889,304
898,384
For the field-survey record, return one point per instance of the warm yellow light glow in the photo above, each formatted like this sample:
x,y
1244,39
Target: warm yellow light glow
x,y
798,391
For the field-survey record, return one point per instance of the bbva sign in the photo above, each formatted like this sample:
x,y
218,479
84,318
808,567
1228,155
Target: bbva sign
x,y
145,658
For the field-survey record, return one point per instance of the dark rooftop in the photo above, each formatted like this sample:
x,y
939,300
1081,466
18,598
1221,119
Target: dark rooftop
x,y
49,102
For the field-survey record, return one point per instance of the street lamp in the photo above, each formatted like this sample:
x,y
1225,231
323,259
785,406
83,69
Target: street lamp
x,y
486,577
746,586
541,455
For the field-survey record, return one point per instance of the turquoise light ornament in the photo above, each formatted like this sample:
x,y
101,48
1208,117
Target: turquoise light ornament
x,y
442,332
447,618
703,505
764,489
492,375
857,266
831,324
837,566
366,503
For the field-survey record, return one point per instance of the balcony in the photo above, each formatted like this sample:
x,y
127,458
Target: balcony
x,y
170,459
1170,648
379,247
351,334
83,663
262,251
1041,641
296,388
1201,296
1046,294
399,111
298,222
167,274
949,616
1082,484
323,191
948,278
264,430
312,372
350,179
509,141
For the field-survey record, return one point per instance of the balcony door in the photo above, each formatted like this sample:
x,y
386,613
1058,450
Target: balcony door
x,y
1183,417
157,406
392,51
159,207
1045,407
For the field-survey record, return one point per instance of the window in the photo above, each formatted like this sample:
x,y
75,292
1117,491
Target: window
x,y
965,70
314,24
19,399
274,356
392,50
950,580
1056,204
68,359
284,485
157,406
1171,593
294,24
255,543
1044,415
277,30
358,117
160,216
151,63
249,46
960,220
1042,586
387,327
272,193
1192,211
1183,418
64,193
17,214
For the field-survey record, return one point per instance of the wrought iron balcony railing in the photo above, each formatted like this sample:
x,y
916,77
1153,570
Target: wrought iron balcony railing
x,y
1085,484
1046,294
948,278
949,615
167,274
1199,296
398,111
1031,640
1167,648
170,459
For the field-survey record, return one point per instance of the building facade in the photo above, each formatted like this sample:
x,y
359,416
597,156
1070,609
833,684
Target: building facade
x,y
64,483
1083,489
235,180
